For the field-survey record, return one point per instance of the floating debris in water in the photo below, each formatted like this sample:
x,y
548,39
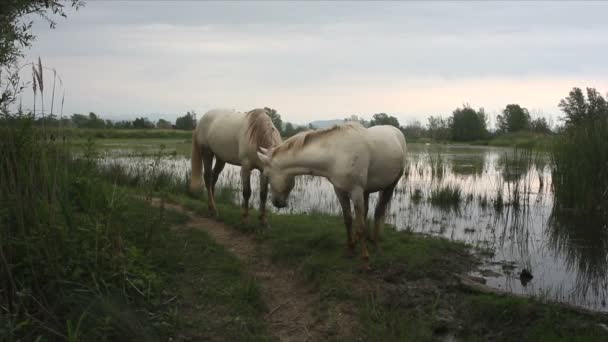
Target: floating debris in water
x,y
525,277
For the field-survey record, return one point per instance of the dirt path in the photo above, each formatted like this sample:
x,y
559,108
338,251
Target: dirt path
x,y
295,311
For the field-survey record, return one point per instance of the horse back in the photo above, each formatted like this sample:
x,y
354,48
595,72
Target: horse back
x,y
218,130
387,150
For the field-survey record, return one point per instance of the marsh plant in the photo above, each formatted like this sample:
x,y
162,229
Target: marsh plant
x,y
580,168
71,244
579,157
446,196
516,175
438,165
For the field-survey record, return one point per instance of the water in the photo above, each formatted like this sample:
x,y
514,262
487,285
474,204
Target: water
x,y
505,209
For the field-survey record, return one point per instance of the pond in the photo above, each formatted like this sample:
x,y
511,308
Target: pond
x,y
498,199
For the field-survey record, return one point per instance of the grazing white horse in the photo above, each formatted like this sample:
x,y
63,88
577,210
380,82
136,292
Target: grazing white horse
x,y
355,159
234,138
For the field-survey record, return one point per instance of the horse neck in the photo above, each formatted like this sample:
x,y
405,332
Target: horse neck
x,y
310,160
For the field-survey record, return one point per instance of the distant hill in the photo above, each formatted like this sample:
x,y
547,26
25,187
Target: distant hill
x,y
326,123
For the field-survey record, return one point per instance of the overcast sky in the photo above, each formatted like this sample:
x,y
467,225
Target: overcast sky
x,y
325,60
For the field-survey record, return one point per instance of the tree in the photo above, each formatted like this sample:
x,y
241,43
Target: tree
x,y
579,110
438,128
79,120
540,125
467,124
95,121
186,122
514,118
289,130
163,124
276,118
123,124
413,130
88,121
384,119
142,123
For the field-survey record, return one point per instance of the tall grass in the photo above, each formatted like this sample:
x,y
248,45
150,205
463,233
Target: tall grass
x,y
72,245
516,172
580,168
447,196
63,250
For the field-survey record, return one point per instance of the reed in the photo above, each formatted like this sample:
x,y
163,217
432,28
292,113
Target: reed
x,y
580,168
446,196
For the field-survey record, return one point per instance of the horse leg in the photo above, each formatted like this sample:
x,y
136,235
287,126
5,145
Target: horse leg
x,y
383,201
217,169
348,220
246,180
263,197
366,199
358,199
208,174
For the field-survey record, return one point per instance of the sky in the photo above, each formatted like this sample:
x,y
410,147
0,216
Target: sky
x,y
324,60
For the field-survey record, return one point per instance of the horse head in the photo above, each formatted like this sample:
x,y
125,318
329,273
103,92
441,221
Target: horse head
x,y
281,183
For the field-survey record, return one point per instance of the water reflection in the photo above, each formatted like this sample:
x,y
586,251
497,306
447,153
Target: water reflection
x,y
583,243
505,207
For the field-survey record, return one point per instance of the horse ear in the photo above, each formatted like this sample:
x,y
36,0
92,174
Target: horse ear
x,y
264,158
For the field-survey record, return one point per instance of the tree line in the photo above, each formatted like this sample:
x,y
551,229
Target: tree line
x,y
94,121
465,124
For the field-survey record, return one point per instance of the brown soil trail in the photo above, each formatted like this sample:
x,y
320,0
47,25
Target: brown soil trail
x,y
295,311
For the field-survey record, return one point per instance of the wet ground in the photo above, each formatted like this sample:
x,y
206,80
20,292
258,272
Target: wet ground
x,y
503,205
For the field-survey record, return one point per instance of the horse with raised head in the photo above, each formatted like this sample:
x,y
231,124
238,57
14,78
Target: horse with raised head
x,y
234,138
356,160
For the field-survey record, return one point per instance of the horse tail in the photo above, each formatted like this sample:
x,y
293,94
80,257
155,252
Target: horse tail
x,y
197,165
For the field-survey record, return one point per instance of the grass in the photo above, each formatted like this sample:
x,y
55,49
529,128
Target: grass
x,y
214,295
116,133
446,196
412,292
518,139
82,259
113,270
579,168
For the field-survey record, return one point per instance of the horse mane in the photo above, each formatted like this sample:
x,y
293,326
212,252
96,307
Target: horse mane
x,y
260,130
300,140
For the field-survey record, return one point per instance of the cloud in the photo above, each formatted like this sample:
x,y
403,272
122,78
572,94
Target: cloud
x,y
314,60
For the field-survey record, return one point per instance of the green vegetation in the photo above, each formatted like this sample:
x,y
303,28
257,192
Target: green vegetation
x,y
142,279
448,196
77,133
90,253
514,118
580,155
523,139
467,124
186,122
384,119
84,259
413,292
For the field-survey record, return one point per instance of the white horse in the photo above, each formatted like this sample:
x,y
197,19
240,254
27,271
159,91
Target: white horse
x,y
355,159
234,138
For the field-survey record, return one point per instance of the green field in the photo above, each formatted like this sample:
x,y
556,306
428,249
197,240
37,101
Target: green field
x,y
119,267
